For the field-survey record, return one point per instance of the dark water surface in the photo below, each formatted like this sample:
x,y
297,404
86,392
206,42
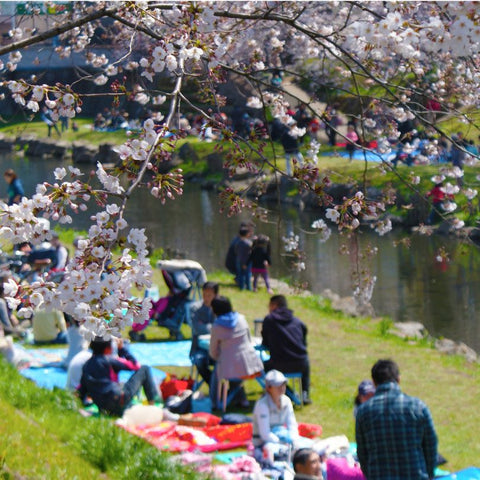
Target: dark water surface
x,y
411,284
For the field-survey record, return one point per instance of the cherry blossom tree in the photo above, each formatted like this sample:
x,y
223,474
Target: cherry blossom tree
x,y
388,58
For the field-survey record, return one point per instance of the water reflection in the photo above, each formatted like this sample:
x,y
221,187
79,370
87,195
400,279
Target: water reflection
x,y
411,284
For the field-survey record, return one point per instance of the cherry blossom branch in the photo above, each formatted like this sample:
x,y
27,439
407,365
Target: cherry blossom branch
x,y
53,32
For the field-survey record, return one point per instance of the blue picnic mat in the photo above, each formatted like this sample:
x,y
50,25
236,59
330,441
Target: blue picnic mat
x,y
156,354
162,354
370,156
470,473
46,372
55,377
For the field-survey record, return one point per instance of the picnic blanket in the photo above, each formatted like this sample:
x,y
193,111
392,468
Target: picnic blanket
x,y
46,371
155,354
56,377
171,437
370,156
470,473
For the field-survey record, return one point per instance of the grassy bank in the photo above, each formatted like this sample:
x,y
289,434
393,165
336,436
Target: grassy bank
x,y
342,350
43,436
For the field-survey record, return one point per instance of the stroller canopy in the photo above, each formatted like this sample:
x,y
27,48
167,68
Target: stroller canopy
x,y
182,275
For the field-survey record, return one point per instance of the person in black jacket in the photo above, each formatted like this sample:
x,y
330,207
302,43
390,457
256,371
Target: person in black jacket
x,y
100,378
285,336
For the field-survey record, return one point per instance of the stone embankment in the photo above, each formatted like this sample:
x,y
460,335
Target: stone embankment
x,y
410,331
266,189
80,152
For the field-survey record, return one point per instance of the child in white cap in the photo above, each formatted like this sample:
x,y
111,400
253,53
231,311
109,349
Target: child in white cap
x,y
274,422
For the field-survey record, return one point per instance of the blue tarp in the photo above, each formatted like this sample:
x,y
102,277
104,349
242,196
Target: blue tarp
x,y
470,473
156,354
47,373
55,377
370,156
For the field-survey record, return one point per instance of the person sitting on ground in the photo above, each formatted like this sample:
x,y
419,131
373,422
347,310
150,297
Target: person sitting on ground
x,y
285,336
307,465
49,327
366,390
232,349
100,378
274,421
202,317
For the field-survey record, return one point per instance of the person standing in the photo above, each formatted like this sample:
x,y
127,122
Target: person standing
x,y
15,190
290,144
285,336
352,138
396,438
243,248
47,117
261,260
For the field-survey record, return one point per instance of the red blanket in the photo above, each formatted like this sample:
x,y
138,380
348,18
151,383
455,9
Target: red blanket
x,y
171,437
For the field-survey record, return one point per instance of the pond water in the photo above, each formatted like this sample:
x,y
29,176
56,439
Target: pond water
x,y
411,285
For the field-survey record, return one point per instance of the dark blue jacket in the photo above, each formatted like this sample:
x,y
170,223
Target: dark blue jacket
x,y
100,379
285,336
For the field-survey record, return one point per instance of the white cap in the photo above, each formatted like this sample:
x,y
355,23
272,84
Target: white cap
x,y
274,378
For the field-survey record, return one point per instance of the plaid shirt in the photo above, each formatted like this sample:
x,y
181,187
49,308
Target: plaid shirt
x,y
396,439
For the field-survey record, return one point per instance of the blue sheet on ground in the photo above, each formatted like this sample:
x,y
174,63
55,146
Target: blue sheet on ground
x,y
156,354
160,354
47,373
55,377
470,473
370,156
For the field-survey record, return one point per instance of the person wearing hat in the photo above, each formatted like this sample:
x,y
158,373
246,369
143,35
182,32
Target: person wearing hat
x,y
366,390
273,417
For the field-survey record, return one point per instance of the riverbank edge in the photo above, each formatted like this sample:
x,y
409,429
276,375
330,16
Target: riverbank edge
x,y
409,331
274,188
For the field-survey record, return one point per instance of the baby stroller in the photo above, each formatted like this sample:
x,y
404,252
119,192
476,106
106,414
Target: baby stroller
x,y
184,279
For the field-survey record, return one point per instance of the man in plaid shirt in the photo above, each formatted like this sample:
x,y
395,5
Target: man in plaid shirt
x,y
396,439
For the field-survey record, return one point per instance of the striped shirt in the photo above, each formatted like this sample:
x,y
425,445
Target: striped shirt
x,y
396,439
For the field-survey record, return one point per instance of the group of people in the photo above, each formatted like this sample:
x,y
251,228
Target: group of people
x,y
231,355
113,119
249,255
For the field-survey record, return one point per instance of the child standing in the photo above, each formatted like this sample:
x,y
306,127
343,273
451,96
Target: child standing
x,y
260,260
352,138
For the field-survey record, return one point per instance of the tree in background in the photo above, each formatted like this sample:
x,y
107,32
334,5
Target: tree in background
x,y
387,59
